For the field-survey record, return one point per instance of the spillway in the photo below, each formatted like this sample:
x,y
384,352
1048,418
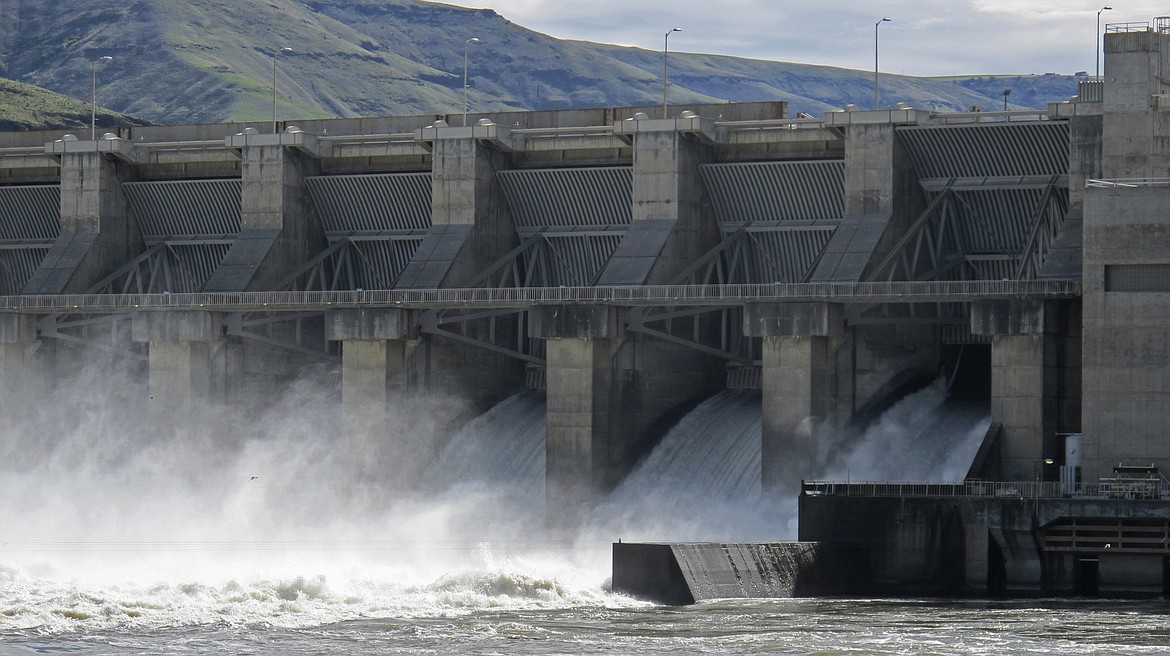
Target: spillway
x,y
702,481
502,448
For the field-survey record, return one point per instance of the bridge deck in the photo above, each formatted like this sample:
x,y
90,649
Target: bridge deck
x,y
524,297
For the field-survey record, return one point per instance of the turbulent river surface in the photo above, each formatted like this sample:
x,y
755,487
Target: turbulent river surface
x,y
229,534
523,613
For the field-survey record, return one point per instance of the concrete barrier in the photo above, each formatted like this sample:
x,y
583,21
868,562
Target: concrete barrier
x,y
688,572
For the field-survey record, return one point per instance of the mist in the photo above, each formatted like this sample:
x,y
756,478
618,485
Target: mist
x,y
274,514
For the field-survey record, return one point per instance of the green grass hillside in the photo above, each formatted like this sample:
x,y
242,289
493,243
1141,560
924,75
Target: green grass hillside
x,y
25,107
189,61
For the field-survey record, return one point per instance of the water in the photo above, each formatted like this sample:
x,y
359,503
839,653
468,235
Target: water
x,y
605,624
280,539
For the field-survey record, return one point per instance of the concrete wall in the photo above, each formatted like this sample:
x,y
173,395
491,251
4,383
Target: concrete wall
x,y
1126,355
683,573
973,545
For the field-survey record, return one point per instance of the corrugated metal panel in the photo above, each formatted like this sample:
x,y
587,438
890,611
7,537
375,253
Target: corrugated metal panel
x,y
17,266
185,207
997,220
379,202
190,266
988,149
776,191
569,197
993,269
30,212
779,255
570,260
382,260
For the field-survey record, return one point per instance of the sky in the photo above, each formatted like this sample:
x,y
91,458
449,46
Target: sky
x,y
924,37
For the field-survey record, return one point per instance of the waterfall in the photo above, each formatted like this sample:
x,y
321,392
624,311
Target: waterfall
x,y
504,447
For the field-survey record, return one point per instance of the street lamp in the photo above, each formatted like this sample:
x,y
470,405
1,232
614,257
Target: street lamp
x,y
465,106
93,97
875,59
274,56
1098,53
665,82
1006,93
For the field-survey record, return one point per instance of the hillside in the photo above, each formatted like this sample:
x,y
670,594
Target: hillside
x,y
25,107
194,61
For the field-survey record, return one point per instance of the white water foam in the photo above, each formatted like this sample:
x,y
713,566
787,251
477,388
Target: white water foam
x,y
277,520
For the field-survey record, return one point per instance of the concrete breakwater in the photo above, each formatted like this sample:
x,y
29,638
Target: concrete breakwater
x,y
686,572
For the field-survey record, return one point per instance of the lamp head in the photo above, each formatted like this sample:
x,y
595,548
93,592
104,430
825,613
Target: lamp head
x,y
105,59
472,40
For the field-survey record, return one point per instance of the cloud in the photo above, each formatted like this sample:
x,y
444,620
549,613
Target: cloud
x,y
926,37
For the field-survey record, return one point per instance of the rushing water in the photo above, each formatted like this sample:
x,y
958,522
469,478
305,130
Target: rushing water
x,y
114,541
604,624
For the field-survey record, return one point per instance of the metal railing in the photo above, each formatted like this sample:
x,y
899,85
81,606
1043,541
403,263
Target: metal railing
x,y
369,139
1090,91
1104,489
1132,26
1011,116
522,297
584,131
1127,183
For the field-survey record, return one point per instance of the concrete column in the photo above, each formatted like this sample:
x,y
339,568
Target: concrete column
x,y
18,342
668,231
186,353
97,233
470,229
1136,121
582,415
1024,384
374,354
880,192
470,223
279,230
794,383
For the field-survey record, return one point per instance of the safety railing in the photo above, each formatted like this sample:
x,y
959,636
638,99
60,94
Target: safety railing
x,y
1090,91
1124,183
520,297
584,131
1104,489
368,139
1132,26
1011,116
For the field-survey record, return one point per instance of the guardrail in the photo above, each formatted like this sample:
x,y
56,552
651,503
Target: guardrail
x,y
522,297
1127,183
1011,116
1106,489
1132,26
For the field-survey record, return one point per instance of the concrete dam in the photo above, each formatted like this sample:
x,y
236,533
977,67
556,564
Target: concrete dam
x,y
625,265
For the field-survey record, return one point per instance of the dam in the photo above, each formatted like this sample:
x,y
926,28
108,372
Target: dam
x,y
625,266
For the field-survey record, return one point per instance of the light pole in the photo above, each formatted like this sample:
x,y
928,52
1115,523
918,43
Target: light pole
x,y
1006,93
875,59
93,97
665,78
465,105
274,56
1098,53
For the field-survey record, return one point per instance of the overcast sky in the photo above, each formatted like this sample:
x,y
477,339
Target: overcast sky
x,y
925,37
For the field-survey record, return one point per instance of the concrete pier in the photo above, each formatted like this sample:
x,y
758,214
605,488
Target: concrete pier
x,y
584,416
1024,385
96,232
278,227
187,366
794,382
